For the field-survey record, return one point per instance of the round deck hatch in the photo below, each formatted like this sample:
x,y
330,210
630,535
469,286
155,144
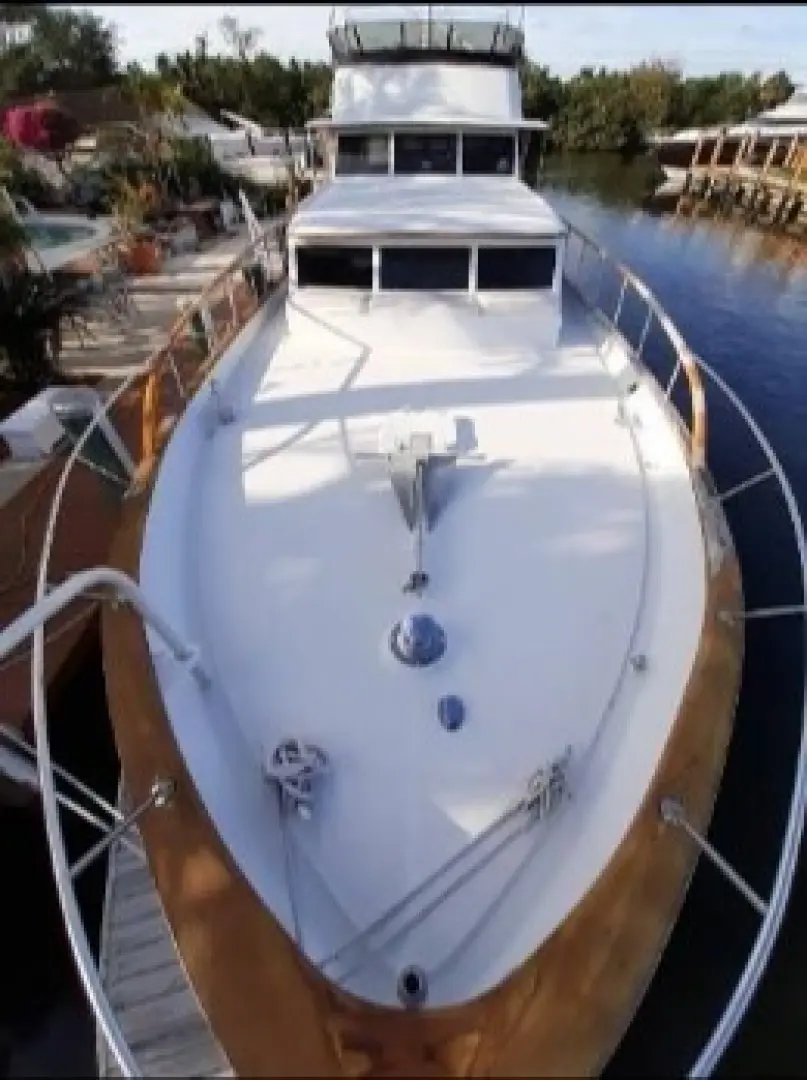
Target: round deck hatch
x,y
417,640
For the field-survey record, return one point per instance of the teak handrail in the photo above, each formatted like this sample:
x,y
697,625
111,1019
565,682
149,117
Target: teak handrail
x,y
686,360
163,361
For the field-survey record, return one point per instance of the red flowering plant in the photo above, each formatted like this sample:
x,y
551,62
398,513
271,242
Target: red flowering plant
x,y
42,126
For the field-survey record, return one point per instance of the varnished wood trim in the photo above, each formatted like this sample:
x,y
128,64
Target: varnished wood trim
x,y
561,1014
251,984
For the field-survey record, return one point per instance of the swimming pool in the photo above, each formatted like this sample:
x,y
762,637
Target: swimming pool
x,y
51,234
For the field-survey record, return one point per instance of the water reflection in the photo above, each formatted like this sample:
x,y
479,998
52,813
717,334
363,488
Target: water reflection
x,y
746,245
739,296
610,178
607,180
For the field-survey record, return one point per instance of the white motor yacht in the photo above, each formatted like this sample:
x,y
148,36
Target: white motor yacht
x,y
432,623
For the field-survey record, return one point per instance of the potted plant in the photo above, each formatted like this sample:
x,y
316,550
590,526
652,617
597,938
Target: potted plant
x,y
143,251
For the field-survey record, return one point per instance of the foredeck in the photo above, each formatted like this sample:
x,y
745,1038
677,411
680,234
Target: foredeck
x,y
565,547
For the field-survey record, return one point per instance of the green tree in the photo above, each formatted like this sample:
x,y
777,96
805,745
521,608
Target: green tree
x,y
543,94
653,88
242,40
67,50
775,89
599,113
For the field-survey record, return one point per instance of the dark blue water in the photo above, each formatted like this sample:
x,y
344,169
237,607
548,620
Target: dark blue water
x,y
741,301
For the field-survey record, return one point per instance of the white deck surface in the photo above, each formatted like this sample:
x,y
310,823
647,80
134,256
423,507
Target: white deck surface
x,y
570,541
425,204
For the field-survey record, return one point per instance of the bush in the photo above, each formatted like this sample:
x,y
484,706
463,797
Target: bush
x,y
22,180
43,127
31,312
12,235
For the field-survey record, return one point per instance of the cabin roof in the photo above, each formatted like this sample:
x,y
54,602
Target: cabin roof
x,y
448,123
431,205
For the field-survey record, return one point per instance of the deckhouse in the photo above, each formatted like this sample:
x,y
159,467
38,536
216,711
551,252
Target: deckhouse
x,y
425,151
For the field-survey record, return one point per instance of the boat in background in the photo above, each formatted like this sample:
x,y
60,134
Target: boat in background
x,y
450,832
783,123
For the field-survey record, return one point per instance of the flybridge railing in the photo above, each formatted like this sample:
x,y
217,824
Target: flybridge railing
x,y
371,30
174,375
588,267
506,14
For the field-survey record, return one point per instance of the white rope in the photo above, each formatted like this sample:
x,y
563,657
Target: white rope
x,y
293,768
545,789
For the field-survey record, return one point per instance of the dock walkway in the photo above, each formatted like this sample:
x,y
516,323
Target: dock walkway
x,y
767,184
146,983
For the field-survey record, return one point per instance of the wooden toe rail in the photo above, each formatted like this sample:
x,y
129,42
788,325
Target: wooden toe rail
x,y
561,1014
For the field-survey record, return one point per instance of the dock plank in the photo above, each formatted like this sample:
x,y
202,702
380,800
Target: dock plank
x,y
146,984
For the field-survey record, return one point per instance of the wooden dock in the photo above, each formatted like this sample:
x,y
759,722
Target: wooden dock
x,y
146,983
766,184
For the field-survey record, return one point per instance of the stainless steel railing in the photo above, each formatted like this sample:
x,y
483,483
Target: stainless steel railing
x,y
164,363
695,369
48,602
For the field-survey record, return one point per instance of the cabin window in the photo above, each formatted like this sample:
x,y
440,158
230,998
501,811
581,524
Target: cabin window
x,y
335,267
488,155
420,153
515,268
426,268
362,155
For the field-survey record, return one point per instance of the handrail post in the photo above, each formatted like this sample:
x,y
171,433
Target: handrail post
x,y
620,302
673,813
645,331
161,793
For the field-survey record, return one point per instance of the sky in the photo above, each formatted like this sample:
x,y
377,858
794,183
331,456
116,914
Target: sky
x,y
703,39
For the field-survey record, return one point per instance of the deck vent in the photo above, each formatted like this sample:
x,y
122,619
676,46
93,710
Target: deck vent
x,y
451,711
417,640
412,987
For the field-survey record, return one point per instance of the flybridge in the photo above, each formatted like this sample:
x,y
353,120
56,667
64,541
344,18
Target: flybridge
x,y
398,33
